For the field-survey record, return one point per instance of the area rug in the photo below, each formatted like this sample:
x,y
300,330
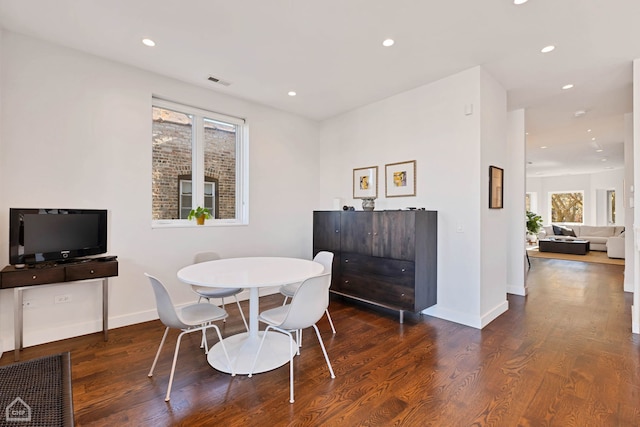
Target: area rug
x,y
37,392
592,256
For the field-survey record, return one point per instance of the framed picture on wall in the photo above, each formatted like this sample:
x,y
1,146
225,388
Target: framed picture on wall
x,y
400,179
365,183
496,187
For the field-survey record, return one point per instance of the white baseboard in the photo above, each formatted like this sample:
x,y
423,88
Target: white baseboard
x,y
45,335
466,319
517,290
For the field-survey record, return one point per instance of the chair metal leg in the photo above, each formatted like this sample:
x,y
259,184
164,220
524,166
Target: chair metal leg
x,y
255,360
173,365
153,366
330,321
324,351
224,349
291,366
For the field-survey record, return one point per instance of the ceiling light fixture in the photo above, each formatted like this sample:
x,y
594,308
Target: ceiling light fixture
x,y
599,150
388,43
543,147
148,42
547,49
291,93
579,113
603,160
565,87
588,130
593,139
519,2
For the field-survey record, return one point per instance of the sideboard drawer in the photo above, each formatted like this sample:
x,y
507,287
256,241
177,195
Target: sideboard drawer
x,y
32,276
92,270
382,290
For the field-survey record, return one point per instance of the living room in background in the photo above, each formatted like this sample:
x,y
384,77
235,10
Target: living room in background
x,y
566,207
198,160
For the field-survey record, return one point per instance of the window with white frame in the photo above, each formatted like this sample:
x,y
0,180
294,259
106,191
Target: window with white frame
x,y
199,159
611,207
567,207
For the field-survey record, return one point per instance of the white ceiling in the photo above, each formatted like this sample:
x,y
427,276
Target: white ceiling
x,y
330,53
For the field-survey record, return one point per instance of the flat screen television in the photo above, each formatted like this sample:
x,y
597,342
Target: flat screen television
x,y
56,235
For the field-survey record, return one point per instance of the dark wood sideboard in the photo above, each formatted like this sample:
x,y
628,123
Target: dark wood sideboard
x,y
386,258
19,279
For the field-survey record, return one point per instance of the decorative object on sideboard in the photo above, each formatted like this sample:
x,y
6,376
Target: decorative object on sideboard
x,y
400,179
496,187
368,203
200,214
365,182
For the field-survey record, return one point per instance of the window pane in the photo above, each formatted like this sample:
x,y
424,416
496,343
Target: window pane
x,y
220,165
172,134
611,207
567,207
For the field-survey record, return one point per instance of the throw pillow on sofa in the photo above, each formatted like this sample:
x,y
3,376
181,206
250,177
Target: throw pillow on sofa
x,y
557,230
566,231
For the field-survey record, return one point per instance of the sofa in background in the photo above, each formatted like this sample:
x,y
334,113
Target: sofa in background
x,y
605,238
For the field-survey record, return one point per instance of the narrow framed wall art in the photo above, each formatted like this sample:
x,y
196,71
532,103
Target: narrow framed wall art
x,y
496,187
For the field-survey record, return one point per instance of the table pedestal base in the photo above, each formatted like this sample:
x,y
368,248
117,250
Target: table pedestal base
x,y
242,349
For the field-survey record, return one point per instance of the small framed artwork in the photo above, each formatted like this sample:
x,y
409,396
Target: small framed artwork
x,y
496,189
400,179
365,183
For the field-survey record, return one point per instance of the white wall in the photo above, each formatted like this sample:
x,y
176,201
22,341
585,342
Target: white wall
x,y
635,309
591,184
516,148
494,222
76,132
628,200
429,125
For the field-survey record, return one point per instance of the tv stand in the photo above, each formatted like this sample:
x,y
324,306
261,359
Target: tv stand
x,y
79,271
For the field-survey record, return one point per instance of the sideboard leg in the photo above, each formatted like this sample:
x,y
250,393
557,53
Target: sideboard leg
x,y
17,321
105,308
401,316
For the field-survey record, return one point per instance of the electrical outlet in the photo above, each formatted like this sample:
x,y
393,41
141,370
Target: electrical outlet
x,y
60,299
28,303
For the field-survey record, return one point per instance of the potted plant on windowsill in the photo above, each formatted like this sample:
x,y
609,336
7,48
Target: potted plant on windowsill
x,y
534,223
200,214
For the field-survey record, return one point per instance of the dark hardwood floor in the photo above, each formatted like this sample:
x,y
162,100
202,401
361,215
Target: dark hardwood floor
x,y
562,356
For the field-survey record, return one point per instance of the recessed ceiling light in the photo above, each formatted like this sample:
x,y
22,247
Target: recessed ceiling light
x,y
565,87
599,150
547,49
148,42
593,139
291,93
588,130
579,113
388,43
519,1
603,160
543,147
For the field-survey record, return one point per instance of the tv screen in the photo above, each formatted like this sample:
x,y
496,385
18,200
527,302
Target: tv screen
x,y
40,235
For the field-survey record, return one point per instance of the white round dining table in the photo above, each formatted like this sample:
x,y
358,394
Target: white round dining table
x,y
251,273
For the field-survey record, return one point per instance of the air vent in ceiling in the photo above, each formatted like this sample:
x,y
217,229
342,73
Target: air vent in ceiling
x,y
219,81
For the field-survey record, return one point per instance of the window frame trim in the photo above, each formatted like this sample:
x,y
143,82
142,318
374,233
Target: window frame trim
x,y
242,164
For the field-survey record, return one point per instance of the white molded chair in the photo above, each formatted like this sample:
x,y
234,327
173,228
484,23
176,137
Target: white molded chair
x,y
307,307
207,292
192,318
326,259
